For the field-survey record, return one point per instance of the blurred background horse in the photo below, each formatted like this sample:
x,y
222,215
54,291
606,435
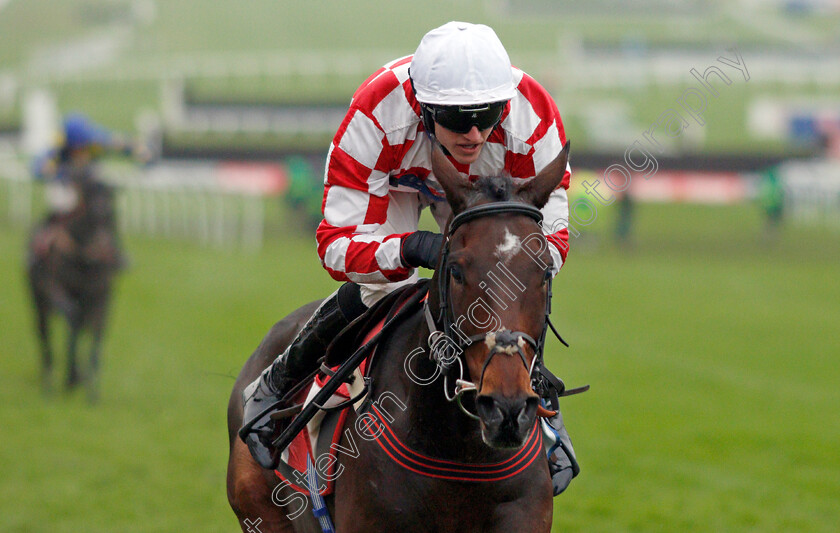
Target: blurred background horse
x,y
72,260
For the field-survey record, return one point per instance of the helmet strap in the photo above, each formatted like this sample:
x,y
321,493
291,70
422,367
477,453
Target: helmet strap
x,y
429,124
428,119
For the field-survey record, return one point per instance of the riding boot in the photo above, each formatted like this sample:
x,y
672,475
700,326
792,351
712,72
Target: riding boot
x,y
266,394
562,463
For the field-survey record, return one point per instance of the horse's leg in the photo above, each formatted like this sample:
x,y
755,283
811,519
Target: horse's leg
x,y
250,496
75,326
97,327
92,376
60,299
520,516
41,306
42,315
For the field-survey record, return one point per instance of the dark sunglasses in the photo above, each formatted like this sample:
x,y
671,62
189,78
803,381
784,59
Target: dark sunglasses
x,y
461,119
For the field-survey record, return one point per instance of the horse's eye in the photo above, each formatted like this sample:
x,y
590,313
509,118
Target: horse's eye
x,y
457,274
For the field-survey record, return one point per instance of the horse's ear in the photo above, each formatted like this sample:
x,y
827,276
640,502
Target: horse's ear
x,y
537,190
454,184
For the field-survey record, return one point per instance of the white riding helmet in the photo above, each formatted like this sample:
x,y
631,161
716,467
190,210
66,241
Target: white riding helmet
x,y
462,64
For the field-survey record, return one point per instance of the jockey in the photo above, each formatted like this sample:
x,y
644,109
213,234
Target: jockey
x,y
66,165
80,143
459,89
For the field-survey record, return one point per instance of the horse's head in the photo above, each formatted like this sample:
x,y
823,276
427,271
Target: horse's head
x,y
492,287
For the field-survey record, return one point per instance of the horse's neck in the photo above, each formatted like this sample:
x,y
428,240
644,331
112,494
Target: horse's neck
x,y
86,222
429,424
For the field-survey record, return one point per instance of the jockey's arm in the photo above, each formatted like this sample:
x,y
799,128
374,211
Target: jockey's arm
x,y
556,210
126,146
556,221
545,143
351,243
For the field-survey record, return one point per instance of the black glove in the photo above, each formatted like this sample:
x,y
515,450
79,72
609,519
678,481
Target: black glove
x,y
421,249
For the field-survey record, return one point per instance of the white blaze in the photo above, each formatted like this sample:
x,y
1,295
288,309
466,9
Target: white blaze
x,y
509,247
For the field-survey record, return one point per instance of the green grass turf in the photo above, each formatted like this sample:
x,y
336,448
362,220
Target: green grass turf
x,y
713,372
709,350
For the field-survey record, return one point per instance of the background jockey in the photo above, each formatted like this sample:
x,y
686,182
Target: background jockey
x,y
80,144
491,118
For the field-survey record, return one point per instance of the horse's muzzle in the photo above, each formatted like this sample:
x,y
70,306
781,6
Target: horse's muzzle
x,y
506,422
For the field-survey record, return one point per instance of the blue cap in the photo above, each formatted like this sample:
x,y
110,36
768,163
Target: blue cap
x,y
80,132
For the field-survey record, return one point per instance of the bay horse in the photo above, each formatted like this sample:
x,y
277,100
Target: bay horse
x,y
70,271
427,454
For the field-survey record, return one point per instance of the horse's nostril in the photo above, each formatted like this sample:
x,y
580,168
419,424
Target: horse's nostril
x,y
526,414
519,412
488,409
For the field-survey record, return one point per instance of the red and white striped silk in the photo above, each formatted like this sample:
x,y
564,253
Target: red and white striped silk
x,y
380,158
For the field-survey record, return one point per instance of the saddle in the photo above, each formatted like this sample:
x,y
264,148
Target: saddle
x,y
321,434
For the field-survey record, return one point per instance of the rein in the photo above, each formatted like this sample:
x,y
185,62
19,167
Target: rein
x,y
503,341
343,371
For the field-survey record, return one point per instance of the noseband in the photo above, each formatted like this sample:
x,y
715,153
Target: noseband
x,y
502,341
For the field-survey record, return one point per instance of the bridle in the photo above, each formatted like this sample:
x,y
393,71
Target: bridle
x,y
502,341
